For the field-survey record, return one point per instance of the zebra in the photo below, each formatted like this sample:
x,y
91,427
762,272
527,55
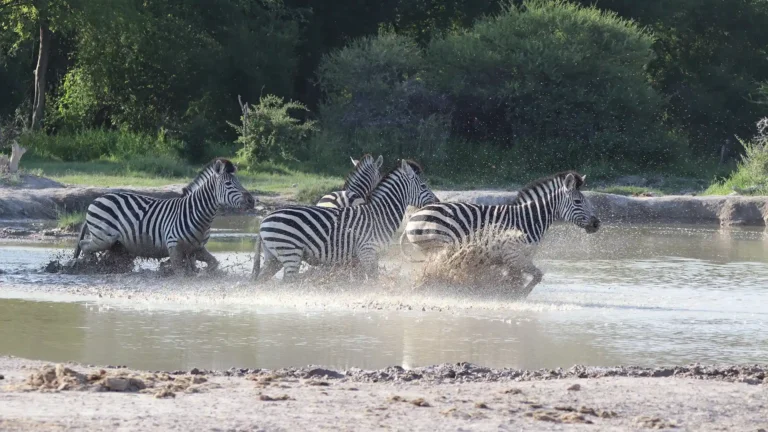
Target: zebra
x,y
320,235
532,212
157,228
359,183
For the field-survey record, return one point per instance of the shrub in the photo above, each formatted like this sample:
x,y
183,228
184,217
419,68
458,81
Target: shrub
x,y
551,84
378,102
562,81
269,132
751,175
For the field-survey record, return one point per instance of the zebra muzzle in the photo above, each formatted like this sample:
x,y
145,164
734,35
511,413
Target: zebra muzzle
x,y
249,201
593,225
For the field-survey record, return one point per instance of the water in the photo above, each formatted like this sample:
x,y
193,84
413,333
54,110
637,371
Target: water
x,y
627,295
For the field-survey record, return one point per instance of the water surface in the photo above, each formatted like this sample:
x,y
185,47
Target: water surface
x,y
626,295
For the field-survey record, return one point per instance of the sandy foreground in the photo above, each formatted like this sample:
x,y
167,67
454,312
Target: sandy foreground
x,y
445,397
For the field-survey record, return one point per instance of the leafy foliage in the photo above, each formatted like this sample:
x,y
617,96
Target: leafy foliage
x,y
268,132
751,175
558,83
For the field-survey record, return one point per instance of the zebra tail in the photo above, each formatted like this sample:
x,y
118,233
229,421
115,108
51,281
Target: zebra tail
x,y
83,230
402,250
257,259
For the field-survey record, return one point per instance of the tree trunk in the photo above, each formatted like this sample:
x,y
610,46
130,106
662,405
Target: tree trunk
x,y
38,109
17,152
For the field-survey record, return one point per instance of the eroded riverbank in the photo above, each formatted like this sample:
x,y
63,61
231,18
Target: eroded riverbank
x,y
443,397
45,204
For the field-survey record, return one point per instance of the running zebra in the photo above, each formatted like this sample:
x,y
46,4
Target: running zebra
x,y
532,212
320,235
359,183
157,228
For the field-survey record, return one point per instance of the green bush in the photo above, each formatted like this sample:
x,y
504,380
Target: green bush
x,y
549,83
751,175
565,83
92,144
268,132
377,102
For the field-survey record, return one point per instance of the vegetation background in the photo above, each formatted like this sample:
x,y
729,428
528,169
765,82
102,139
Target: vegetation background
x,y
481,92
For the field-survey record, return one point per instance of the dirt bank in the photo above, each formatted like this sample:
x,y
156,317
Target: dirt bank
x,y
320,399
723,210
47,203
18,204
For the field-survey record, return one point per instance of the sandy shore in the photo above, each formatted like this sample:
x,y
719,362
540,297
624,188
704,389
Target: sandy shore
x,y
445,397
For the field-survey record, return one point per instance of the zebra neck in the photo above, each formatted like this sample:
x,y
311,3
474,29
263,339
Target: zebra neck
x,y
387,211
201,206
535,216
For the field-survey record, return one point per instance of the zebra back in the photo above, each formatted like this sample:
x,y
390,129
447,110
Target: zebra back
x,y
533,211
336,235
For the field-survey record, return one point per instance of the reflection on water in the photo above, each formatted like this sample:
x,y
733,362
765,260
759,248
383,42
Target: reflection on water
x,y
637,295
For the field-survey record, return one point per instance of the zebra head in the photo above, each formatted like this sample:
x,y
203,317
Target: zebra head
x,y
365,176
417,193
229,191
575,207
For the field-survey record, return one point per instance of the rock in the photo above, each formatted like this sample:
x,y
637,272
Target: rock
x,y
2,376
195,371
323,373
266,398
116,384
575,387
14,232
653,423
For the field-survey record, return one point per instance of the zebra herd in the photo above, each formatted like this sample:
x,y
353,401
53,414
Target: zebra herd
x,y
348,226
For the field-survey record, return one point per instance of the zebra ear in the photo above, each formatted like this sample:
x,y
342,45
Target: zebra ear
x,y
354,162
380,161
570,182
407,168
583,178
219,167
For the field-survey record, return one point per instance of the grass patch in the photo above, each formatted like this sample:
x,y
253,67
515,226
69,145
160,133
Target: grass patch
x,y
311,193
70,222
163,171
629,190
751,174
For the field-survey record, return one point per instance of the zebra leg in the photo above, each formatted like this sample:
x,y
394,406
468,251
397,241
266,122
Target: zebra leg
x,y
291,264
206,257
369,260
177,259
92,245
271,264
537,276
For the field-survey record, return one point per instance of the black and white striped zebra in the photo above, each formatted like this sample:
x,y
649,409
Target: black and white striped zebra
x,y
320,235
532,212
358,185
157,228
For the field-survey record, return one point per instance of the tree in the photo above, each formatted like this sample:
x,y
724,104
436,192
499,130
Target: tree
x,y
43,20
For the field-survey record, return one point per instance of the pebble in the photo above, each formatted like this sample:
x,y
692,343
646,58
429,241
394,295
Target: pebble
x,y
575,387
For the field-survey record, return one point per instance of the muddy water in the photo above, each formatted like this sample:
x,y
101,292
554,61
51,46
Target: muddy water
x,y
627,295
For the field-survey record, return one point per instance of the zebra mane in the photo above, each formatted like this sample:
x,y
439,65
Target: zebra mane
x,y
519,199
414,166
366,160
412,163
206,173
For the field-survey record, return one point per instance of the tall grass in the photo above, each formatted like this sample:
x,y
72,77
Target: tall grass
x,y
751,174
